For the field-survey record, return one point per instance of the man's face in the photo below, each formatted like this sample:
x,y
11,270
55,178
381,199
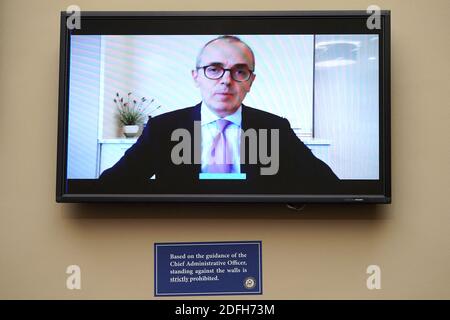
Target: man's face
x,y
224,95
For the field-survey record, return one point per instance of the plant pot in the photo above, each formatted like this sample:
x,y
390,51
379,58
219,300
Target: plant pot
x,y
130,131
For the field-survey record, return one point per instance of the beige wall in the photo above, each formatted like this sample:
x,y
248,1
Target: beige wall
x,y
321,253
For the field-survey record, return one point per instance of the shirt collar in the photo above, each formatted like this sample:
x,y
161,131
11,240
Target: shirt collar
x,y
207,116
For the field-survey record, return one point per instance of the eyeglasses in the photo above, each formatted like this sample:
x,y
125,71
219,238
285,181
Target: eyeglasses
x,y
238,73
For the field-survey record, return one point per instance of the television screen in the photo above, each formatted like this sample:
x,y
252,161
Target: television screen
x,y
227,107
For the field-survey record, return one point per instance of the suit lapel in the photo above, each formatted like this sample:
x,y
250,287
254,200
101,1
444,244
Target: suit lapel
x,y
195,169
251,170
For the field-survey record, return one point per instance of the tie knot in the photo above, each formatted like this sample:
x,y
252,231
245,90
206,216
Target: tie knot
x,y
222,124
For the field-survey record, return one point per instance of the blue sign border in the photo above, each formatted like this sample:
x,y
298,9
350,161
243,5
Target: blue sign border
x,y
155,255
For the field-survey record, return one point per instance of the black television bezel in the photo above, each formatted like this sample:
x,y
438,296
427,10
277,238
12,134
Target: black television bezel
x,y
89,17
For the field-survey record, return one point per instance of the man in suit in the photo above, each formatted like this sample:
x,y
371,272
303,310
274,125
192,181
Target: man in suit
x,y
224,74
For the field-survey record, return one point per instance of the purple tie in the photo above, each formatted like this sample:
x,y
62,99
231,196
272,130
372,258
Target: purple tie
x,y
220,159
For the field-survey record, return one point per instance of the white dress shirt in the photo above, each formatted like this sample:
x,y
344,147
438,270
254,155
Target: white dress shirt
x,y
210,130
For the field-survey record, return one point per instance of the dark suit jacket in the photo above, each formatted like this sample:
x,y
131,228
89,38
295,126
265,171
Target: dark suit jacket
x,y
299,169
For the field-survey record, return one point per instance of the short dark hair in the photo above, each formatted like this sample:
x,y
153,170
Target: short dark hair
x,y
227,38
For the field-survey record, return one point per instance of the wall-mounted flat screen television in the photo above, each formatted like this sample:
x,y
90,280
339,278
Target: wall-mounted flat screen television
x,y
224,107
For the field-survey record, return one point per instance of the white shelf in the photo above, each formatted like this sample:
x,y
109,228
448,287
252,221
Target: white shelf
x,y
117,141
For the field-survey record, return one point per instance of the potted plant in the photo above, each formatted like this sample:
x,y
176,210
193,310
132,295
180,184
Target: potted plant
x,y
131,113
